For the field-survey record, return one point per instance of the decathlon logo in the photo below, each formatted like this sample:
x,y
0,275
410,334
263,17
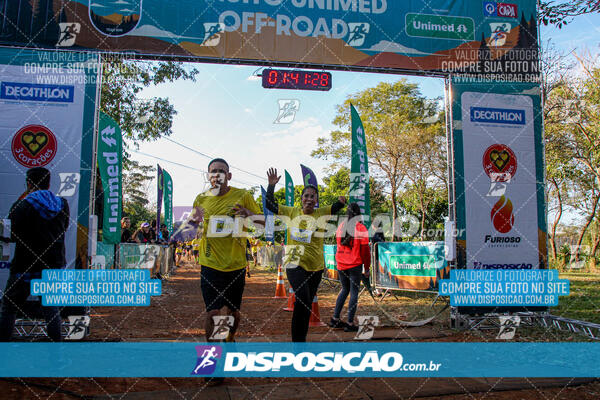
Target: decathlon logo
x,y
207,359
35,92
497,116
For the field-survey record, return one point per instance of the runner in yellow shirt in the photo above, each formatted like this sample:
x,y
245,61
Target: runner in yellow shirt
x,y
304,259
196,249
222,252
178,253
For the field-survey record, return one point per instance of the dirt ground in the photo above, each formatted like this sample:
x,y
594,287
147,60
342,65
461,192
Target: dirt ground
x,y
177,315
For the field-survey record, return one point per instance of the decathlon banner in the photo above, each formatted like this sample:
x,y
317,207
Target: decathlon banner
x,y
168,195
410,265
47,120
476,37
499,174
300,359
110,164
289,190
359,172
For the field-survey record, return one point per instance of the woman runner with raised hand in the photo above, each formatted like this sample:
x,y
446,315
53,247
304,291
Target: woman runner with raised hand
x,y
304,262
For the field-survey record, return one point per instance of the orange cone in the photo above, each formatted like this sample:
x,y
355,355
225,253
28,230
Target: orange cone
x,y
280,288
315,316
291,301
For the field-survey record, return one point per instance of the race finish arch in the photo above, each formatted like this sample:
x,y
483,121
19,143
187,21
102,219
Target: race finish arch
x,y
486,50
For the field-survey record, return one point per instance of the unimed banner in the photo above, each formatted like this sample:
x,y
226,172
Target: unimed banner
x,y
499,176
47,120
476,37
110,164
410,265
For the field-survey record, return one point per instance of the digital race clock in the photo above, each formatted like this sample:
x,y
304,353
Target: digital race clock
x,y
295,79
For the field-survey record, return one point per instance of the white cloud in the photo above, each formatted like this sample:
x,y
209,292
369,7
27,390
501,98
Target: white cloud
x,y
253,78
392,47
149,30
248,110
121,2
96,5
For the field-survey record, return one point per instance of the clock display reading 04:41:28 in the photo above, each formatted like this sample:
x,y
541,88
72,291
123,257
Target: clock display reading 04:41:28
x,y
295,79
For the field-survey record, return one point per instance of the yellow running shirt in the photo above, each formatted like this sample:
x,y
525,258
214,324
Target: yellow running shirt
x,y
196,244
304,247
219,249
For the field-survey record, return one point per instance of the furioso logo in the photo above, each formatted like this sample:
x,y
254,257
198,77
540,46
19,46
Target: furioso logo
x,y
502,215
500,162
34,146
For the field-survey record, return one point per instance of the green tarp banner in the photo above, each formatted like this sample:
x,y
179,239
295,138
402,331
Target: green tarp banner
x,y
410,265
110,161
168,196
359,169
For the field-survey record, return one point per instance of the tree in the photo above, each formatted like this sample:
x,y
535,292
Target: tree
x,y
136,180
393,115
122,83
432,220
141,120
573,127
562,13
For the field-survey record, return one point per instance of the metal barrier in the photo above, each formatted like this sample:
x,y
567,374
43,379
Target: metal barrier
x,y
158,259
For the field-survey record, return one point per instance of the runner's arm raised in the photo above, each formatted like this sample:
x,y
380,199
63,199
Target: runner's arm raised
x,y
338,205
270,200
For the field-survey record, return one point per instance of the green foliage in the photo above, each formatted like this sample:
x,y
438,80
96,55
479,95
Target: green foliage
x,y
122,84
141,120
405,142
436,210
559,14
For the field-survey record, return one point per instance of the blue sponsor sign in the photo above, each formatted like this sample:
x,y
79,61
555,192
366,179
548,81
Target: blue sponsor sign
x,y
492,288
489,9
299,359
36,92
497,115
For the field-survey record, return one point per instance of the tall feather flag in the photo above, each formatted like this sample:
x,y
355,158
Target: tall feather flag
x,y
269,218
359,169
309,178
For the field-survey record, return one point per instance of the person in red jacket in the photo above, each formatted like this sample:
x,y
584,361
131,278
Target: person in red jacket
x,y
352,254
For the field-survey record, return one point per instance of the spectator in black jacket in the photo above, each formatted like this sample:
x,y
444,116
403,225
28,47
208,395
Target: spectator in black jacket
x,y
39,222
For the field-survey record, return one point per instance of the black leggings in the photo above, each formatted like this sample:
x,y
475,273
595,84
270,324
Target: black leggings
x,y
305,284
350,280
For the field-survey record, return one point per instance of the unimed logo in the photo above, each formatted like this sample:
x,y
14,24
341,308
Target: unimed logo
x,y
497,115
36,92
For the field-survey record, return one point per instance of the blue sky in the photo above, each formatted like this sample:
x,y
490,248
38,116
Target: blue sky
x,y
228,114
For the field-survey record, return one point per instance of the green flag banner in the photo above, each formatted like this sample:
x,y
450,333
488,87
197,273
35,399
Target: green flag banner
x,y
110,161
410,265
289,190
359,169
168,196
